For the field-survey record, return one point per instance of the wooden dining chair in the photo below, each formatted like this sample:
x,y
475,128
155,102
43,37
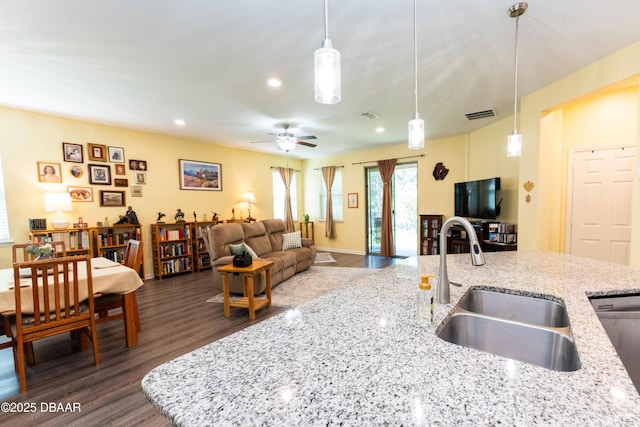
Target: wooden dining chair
x,y
105,303
61,301
20,250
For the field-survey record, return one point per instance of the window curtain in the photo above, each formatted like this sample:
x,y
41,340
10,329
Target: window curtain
x,y
287,175
328,173
386,168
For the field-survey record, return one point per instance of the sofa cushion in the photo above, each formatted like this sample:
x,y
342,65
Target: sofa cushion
x,y
241,248
291,240
223,235
256,237
275,229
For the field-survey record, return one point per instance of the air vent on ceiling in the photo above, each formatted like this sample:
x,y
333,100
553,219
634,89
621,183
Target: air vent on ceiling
x,y
369,115
480,114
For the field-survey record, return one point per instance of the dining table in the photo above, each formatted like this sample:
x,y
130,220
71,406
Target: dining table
x,y
108,277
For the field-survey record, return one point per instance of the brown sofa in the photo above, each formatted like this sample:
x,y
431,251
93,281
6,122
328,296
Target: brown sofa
x,y
265,238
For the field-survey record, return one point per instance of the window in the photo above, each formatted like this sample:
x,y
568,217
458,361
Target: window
x,y
278,196
4,221
336,197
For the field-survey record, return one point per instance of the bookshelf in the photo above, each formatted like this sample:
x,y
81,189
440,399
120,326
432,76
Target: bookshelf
x,y
76,241
172,249
201,257
111,242
430,226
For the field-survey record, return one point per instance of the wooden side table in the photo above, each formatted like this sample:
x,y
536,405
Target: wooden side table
x,y
248,301
304,230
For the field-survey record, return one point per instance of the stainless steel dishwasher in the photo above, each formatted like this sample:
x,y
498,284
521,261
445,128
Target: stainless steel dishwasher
x,y
620,317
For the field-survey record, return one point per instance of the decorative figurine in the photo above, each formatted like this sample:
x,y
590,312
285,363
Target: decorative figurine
x,y
233,213
106,221
179,216
160,216
215,216
195,216
132,218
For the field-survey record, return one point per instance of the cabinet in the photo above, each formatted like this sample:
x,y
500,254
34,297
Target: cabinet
x,y
76,241
430,226
111,242
172,249
490,241
201,256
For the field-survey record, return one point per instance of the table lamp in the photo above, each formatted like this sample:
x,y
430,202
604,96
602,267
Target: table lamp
x,y
58,203
249,198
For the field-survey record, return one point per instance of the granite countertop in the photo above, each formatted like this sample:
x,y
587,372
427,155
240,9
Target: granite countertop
x,y
357,357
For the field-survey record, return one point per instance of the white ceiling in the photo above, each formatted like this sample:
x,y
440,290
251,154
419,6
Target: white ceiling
x,y
143,63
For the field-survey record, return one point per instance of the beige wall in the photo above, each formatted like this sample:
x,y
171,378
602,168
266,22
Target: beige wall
x,y
31,137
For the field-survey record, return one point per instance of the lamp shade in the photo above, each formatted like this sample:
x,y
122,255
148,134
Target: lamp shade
x,y
327,74
416,133
287,145
514,145
249,197
58,202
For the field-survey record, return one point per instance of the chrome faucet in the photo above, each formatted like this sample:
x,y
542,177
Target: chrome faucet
x,y
477,257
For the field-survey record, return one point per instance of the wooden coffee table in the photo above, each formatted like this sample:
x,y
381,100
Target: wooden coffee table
x,y
248,301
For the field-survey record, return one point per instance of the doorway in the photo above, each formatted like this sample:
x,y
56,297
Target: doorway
x,y
404,209
599,203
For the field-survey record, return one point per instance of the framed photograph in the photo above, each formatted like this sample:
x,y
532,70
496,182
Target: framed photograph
x,y
116,154
140,177
137,165
196,175
352,200
121,182
49,172
120,169
111,198
97,152
81,194
72,152
76,171
99,174
136,191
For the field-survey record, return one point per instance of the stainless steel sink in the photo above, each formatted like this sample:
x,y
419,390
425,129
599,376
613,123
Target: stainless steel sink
x,y
527,328
520,308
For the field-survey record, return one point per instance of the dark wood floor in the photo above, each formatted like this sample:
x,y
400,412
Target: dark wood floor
x,y
175,319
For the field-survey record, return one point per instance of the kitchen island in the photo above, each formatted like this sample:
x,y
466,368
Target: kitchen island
x,y
357,357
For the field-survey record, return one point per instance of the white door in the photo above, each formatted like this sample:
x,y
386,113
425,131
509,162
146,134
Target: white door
x,y
600,203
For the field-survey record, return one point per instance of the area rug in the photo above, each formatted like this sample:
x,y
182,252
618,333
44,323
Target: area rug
x,y
323,257
309,284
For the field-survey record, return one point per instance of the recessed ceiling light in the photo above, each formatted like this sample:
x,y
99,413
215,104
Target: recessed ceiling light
x,y
179,122
273,82
380,129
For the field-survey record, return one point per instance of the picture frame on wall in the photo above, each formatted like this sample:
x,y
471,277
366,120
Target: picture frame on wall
x,y
121,182
80,194
112,198
352,200
97,152
137,165
120,169
72,152
99,174
198,175
76,171
140,177
136,191
49,172
116,154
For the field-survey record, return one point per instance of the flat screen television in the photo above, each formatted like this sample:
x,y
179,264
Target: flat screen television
x,y
477,199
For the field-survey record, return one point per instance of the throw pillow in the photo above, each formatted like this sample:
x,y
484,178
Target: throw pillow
x,y
242,247
291,240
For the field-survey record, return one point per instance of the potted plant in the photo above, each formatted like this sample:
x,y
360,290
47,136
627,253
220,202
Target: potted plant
x,y
41,251
306,218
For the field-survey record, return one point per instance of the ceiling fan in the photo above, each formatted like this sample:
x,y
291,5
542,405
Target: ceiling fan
x,y
288,141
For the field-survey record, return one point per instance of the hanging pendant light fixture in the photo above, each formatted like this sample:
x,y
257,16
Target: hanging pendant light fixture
x,y
327,68
416,126
514,141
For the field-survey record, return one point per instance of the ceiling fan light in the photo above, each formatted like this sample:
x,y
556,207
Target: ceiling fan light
x,y
327,74
287,145
416,133
514,144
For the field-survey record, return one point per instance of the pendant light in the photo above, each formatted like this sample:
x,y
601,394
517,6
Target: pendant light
x,y
327,68
514,141
416,126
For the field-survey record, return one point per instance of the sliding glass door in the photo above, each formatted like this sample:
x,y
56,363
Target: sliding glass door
x,y
404,205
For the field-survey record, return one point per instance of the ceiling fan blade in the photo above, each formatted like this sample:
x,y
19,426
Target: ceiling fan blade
x,y
307,144
265,140
308,137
